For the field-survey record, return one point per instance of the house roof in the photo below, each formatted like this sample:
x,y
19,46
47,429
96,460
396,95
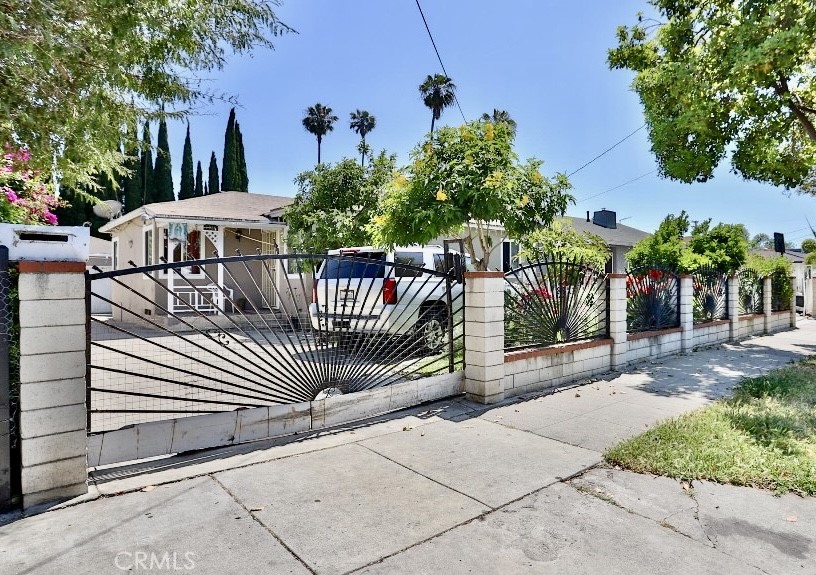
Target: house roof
x,y
620,236
793,256
238,207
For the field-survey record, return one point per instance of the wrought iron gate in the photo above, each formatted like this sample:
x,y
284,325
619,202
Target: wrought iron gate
x,y
344,323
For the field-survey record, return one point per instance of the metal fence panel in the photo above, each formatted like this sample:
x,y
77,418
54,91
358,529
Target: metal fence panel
x,y
212,335
652,299
546,303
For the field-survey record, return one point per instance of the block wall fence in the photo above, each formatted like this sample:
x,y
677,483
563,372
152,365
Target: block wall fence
x,y
491,375
54,316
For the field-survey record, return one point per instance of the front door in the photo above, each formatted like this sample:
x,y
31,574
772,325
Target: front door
x,y
269,245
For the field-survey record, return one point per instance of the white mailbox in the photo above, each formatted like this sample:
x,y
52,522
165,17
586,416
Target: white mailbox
x,y
45,243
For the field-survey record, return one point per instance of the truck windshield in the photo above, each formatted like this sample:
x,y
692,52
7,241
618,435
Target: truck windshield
x,y
343,267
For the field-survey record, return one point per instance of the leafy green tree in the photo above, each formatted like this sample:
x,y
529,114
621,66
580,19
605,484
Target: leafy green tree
x,y
75,71
362,122
809,245
133,191
146,167
319,121
213,185
187,184
727,77
723,247
560,241
243,176
499,116
460,180
761,241
198,190
335,203
163,171
665,248
438,92
230,170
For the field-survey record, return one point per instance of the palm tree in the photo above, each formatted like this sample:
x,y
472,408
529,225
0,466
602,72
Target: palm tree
x,y
319,121
501,117
438,92
362,122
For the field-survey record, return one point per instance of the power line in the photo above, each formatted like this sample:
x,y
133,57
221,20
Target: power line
x,y
438,57
640,177
606,151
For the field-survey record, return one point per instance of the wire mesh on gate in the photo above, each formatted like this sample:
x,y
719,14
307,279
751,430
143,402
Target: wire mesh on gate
x,y
228,333
710,295
553,302
652,301
750,292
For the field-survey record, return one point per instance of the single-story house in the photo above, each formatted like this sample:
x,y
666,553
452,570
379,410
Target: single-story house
x,y
191,229
619,238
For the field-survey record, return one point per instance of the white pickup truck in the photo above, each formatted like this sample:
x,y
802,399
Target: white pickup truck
x,y
368,291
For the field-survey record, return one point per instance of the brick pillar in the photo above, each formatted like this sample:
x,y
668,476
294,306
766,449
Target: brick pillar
x,y
52,381
686,302
617,319
766,303
793,302
733,307
484,336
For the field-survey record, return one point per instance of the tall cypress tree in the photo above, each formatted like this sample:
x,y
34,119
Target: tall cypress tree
x,y
230,179
163,173
198,190
242,167
187,184
213,185
206,189
132,183
146,167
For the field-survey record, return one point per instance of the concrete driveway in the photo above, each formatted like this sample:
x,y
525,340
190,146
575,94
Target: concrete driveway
x,y
449,488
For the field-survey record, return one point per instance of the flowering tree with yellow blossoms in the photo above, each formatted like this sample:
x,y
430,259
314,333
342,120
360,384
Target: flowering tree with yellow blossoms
x,y
459,181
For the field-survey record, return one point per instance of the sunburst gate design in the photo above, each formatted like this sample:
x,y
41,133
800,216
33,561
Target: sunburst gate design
x,y
710,295
751,290
229,333
652,301
553,302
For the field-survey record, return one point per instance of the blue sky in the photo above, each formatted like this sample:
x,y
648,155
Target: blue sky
x,y
541,60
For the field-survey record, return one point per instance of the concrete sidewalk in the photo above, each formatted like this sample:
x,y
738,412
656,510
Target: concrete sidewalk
x,y
453,487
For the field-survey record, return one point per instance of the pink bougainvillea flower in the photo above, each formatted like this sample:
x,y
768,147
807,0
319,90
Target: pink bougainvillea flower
x,y
11,196
50,218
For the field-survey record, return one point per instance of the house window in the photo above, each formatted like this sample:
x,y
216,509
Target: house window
x,y
115,253
148,247
510,251
191,251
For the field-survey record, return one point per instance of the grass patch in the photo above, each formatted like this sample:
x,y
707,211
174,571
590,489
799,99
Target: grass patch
x,y
764,436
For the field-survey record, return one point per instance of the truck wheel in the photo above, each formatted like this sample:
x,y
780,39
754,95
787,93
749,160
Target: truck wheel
x,y
432,329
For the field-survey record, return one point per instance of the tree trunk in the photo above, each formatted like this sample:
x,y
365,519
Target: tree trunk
x,y
362,154
319,139
782,90
433,118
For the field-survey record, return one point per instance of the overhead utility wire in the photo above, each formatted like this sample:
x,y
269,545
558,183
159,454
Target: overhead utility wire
x,y
640,177
606,151
438,57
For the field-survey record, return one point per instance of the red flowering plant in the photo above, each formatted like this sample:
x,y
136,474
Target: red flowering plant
x,y
24,197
